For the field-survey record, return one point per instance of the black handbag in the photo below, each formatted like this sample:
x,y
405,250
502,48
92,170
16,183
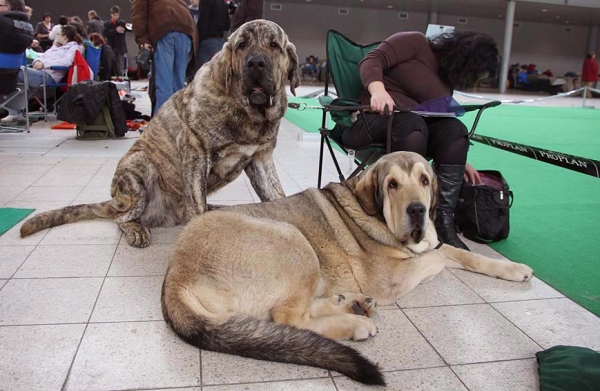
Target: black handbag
x,y
144,57
482,211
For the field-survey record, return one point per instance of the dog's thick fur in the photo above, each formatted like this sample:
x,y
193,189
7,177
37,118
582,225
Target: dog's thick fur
x,y
202,138
240,277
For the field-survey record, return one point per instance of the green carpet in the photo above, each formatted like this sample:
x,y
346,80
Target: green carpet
x,y
556,213
9,217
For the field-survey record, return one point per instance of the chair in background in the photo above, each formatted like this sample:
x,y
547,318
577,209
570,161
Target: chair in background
x,y
92,57
78,72
10,90
343,57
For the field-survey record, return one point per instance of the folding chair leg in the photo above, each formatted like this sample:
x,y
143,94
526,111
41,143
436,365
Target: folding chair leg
x,y
321,161
335,162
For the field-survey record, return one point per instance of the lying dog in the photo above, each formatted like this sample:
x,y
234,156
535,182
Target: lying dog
x,y
240,277
202,138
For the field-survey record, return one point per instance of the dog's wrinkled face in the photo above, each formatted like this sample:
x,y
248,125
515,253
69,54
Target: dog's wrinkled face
x,y
262,60
402,188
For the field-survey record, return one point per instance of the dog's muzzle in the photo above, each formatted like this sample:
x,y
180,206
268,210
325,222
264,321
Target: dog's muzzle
x,y
416,212
257,89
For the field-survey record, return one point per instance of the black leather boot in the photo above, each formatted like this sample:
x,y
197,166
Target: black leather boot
x,y
450,178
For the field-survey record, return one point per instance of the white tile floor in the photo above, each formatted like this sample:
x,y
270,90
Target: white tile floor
x,y
80,309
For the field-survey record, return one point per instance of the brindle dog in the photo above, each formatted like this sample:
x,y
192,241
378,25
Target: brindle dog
x,y
226,121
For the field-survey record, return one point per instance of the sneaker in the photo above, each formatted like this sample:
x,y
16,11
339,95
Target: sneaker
x,y
13,119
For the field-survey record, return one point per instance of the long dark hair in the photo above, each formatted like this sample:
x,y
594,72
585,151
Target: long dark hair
x,y
464,56
71,33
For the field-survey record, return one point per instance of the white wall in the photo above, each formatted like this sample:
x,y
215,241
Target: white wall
x,y
546,45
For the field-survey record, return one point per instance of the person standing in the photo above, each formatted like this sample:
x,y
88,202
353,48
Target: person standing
x,y
42,31
114,32
246,11
168,28
94,24
213,23
589,73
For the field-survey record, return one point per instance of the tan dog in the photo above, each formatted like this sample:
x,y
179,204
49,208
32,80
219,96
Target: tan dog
x,y
226,121
240,277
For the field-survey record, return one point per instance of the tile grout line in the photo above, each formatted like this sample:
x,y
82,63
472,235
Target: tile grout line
x,y
64,385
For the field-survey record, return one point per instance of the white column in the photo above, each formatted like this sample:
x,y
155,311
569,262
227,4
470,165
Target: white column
x,y
592,38
508,32
433,18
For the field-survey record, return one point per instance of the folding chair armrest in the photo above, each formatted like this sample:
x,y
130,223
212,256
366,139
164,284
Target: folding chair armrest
x,y
480,109
493,103
58,68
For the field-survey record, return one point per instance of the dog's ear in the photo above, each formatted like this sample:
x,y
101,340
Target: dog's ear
x,y
366,191
293,71
434,196
222,70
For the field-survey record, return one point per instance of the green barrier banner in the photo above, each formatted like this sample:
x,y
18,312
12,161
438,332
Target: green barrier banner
x,y
575,163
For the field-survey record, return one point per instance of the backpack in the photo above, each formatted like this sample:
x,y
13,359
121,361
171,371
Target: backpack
x,y
482,211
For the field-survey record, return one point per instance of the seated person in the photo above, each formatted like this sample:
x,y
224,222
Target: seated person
x,y
523,76
17,35
408,69
310,67
108,60
62,55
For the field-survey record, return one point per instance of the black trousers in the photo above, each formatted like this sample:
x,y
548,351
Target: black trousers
x,y
443,139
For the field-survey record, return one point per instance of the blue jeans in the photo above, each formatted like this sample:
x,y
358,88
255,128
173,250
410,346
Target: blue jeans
x,y
207,49
170,62
35,78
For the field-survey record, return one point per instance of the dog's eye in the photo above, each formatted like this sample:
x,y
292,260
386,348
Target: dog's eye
x,y
393,184
241,45
424,180
274,44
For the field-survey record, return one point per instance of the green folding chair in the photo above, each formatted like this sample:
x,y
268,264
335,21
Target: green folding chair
x,y
343,57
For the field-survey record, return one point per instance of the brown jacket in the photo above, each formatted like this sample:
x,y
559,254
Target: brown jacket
x,y
153,19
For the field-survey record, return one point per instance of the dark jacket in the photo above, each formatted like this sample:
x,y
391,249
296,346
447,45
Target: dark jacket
x,y
41,29
16,35
115,39
95,25
16,32
246,11
108,64
213,19
83,103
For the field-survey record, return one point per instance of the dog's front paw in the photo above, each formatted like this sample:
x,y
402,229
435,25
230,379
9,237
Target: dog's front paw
x,y
357,304
517,272
138,238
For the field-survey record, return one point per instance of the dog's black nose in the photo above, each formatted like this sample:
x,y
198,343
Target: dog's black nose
x,y
256,62
416,211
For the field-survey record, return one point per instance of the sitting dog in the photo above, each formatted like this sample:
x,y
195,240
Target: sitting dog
x,y
281,280
202,138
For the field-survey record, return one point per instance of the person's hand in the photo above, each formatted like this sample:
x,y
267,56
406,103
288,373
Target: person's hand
x,y
120,29
38,65
380,99
471,175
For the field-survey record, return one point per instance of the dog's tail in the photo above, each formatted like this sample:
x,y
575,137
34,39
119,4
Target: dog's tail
x,y
264,340
69,214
